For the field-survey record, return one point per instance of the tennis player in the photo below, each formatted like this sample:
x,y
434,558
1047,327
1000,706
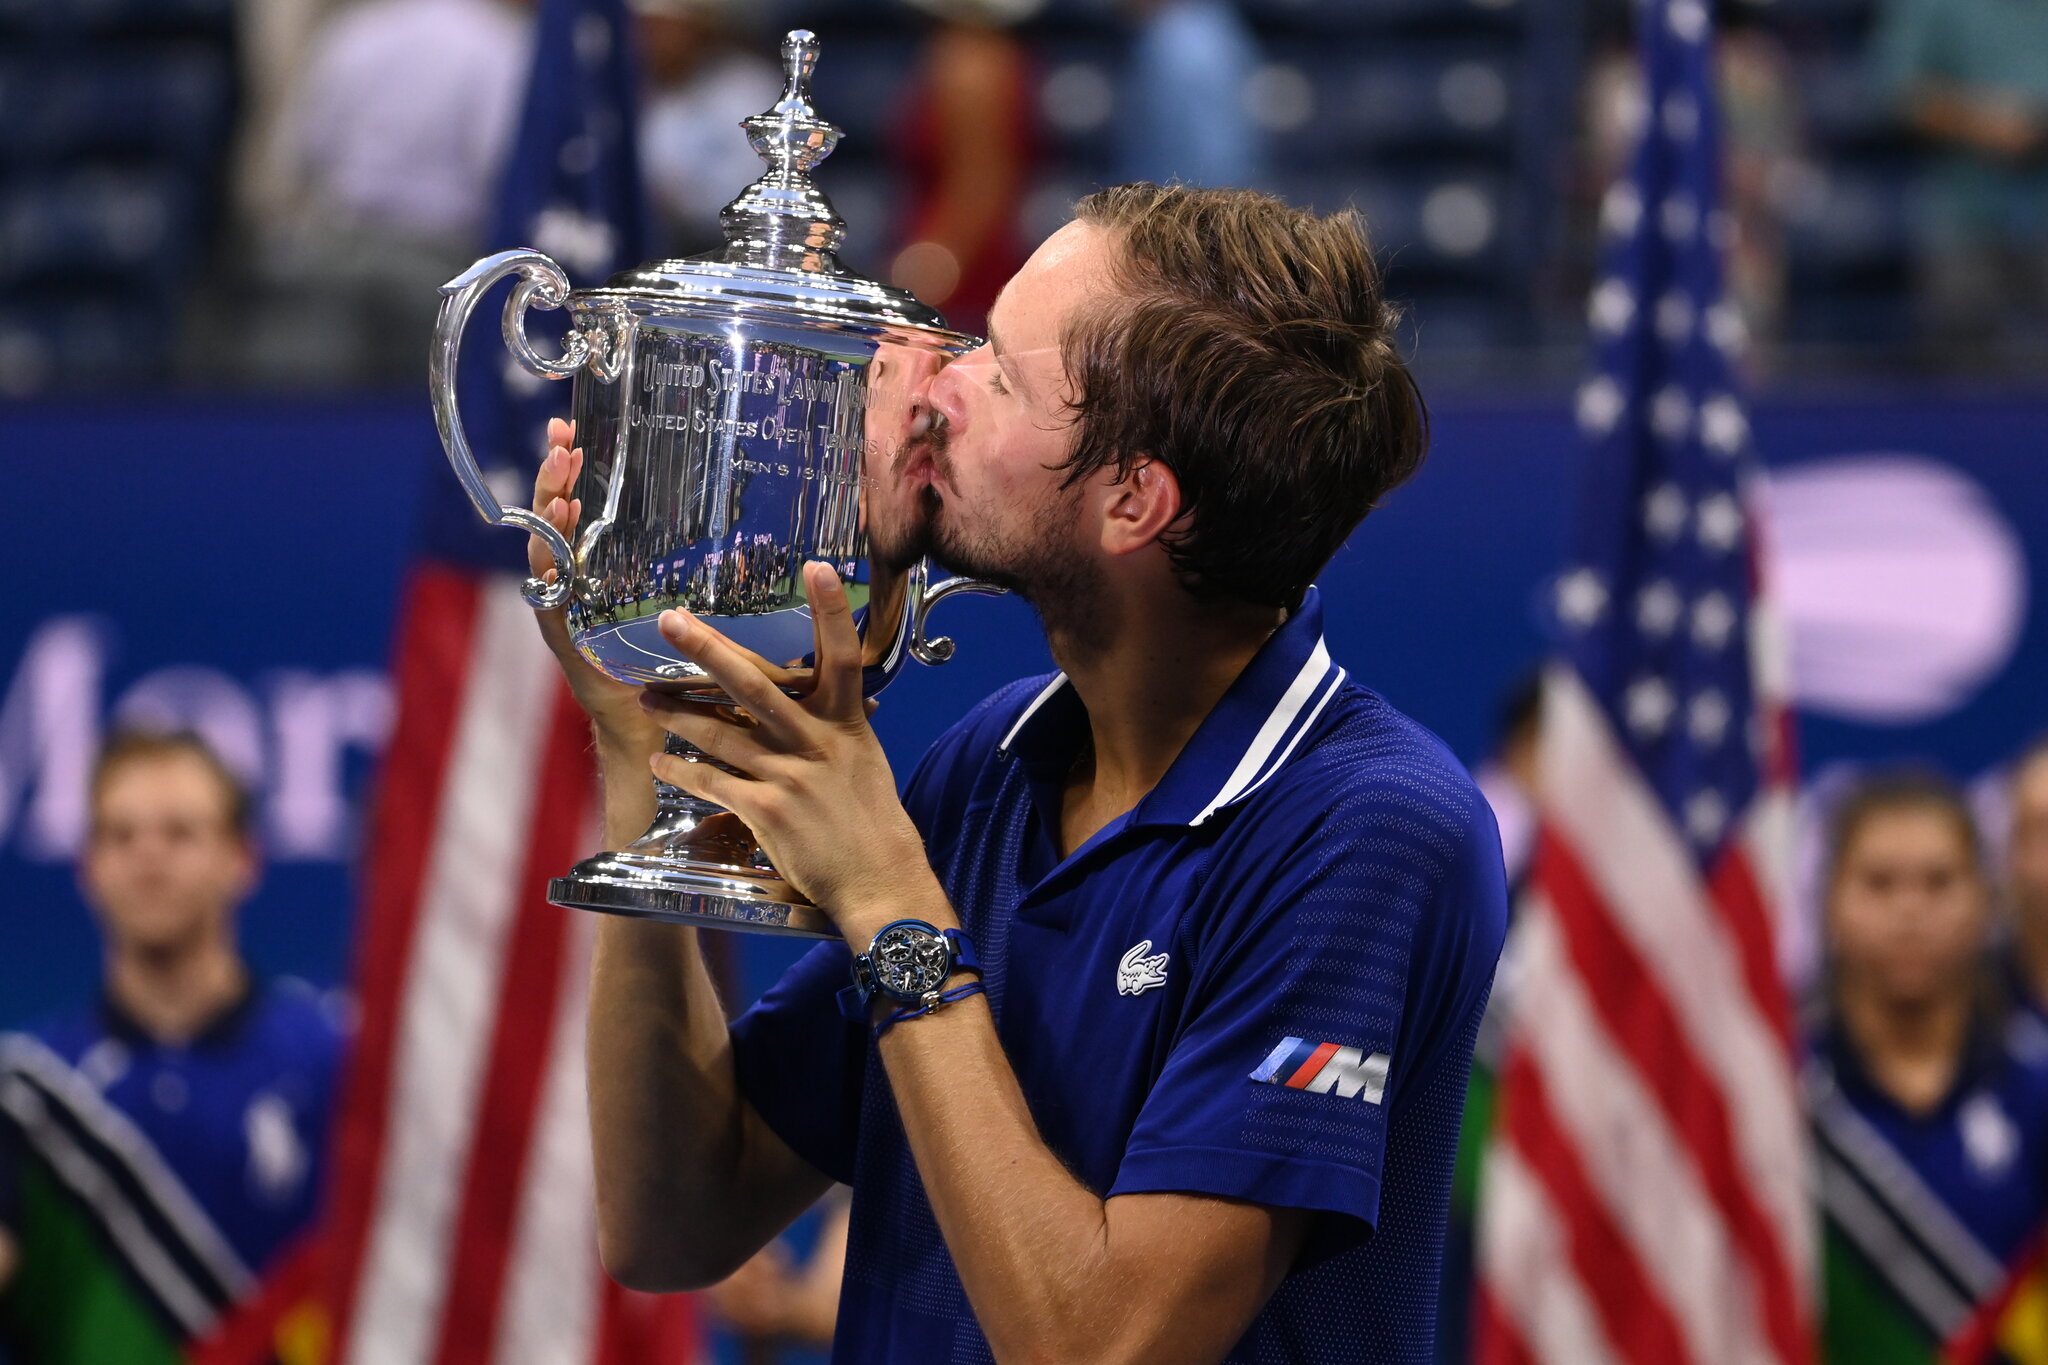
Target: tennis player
x,y
1162,1050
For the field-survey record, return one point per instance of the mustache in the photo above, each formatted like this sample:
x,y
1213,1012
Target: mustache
x,y
934,442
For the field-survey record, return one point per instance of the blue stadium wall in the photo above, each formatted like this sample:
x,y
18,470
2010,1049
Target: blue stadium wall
x,y
240,562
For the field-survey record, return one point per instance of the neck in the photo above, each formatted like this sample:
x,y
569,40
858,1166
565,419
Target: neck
x,y
1912,1049
1148,673
174,992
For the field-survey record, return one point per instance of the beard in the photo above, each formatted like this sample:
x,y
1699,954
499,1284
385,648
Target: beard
x,y
1038,560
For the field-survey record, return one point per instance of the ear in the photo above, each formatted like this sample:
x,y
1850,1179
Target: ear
x,y
1139,508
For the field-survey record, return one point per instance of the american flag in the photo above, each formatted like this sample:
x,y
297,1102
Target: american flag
x,y
1646,1198
460,1219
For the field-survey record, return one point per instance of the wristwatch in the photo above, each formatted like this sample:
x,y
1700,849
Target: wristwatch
x,y
908,963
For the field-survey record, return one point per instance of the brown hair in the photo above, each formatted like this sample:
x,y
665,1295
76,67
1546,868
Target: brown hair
x,y
138,746
1250,349
1896,790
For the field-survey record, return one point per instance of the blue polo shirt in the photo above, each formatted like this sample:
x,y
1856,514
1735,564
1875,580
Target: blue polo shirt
x,y
238,1116
1262,983
1943,1199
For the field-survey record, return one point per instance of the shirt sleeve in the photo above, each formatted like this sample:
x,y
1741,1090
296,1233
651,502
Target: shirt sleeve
x,y
1321,998
801,1063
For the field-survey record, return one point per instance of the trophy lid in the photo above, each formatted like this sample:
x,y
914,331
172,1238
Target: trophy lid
x,y
782,235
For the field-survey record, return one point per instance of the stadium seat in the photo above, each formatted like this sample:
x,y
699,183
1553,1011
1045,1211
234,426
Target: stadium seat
x,y
76,342
1858,222
1844,111
95,224
79,17
173,101
1448,224
1309,17
1077,91
1407,99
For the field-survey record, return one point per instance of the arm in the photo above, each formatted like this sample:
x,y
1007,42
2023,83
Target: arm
x,y
1999,126
1054,1272
690,1181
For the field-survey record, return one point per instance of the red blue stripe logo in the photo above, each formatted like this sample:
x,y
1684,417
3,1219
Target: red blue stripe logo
x,y
1321,1068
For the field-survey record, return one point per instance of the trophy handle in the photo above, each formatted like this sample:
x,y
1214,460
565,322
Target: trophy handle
x,y
938,649
542,285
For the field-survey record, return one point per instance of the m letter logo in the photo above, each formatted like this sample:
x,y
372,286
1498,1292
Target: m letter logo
x,y
1320,1068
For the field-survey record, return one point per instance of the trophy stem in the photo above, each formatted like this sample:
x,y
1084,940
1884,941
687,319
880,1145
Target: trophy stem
x,y
698,863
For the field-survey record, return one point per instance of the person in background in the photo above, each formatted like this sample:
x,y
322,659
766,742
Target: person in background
x,y
703,81
1930,1112
967,148
1971,77
2027,880
1181,116
390,143
162,1148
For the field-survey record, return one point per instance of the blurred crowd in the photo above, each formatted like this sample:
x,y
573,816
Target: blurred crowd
x,y
267,194
1923,1039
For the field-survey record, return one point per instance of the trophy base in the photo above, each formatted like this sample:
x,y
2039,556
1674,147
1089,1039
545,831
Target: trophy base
x,y
693,869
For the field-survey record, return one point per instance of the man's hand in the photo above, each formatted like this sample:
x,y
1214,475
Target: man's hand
x,y
612,706
816,790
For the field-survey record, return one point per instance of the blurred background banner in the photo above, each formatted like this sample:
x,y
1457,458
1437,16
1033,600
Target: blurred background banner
x,y
239,567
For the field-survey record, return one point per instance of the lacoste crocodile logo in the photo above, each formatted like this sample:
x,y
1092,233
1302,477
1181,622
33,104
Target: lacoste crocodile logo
x,y
1138,972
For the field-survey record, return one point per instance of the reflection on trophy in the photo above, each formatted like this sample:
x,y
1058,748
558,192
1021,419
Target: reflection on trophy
x,y
739,413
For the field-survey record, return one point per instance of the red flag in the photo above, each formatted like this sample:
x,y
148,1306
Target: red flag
x,y
461,1218
1646,1199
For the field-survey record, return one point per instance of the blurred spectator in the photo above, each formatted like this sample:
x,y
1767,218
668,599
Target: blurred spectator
x,y
1182,112
702,82
179,1122
272,38
391,143
1972,77
1763,142
1929,1104
784,1312
968,145
2027,878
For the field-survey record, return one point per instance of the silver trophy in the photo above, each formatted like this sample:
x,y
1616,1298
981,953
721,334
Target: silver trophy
x,y
729,407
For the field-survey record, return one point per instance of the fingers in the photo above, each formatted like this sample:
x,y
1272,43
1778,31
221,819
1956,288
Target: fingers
x,y
700,779
551,485
732,668
838,643
711,729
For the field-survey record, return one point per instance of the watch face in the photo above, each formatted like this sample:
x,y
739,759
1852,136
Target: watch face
x,y
909,962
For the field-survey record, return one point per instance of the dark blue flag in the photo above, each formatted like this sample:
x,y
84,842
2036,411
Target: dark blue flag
x,y
1657,605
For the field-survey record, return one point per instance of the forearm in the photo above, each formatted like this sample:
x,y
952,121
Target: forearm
x,y
1030,1242
1034,1247
679,1198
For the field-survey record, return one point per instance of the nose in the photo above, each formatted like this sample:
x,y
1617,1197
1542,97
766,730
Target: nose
x,y
944,394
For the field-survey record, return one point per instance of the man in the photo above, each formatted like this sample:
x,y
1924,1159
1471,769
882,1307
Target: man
x,y
391,139
1236,917
1971,76
160,1150
1930,1108
2027,879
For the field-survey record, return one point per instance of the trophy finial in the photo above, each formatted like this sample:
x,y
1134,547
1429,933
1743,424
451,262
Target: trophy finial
x,y
783,220
799,60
